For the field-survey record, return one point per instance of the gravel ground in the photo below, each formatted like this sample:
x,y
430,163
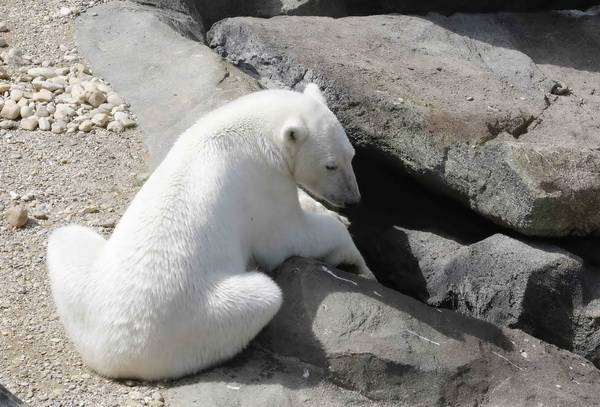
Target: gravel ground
x,y
84,178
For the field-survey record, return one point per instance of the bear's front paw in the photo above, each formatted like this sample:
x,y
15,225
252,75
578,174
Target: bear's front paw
x,y
341,218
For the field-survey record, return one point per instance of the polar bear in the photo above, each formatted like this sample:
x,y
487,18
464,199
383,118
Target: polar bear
x,y
170,294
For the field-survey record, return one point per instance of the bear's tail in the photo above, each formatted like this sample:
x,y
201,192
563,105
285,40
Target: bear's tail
x,y
72,252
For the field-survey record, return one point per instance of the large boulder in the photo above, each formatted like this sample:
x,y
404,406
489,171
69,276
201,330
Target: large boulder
x,y
345,340
209,12
495,110
536,287
169,80
198,14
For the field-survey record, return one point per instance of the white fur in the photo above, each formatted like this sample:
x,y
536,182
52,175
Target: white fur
x,y
168,294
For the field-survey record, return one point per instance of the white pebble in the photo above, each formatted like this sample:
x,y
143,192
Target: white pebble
x,y
27,111
51,86
114,99
3,42
16,216
58,127
3,26
7,124
100,119
86,126
63,111
44,124
95,97
16,94
44,95
10,111
115,126
65,11
42,111
40,71
29,123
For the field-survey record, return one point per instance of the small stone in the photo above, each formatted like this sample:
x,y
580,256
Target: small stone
x,y
85,376
156,403
51,86
63,111
63,48
90,209
58,127
10,112
109,223
4,87
44,124
100,119
63,161
114,99
65,11
3,42
40,215
27,111
86,126
7,124
3,27
4,75
41,71
16,216
158,396
42,111
106,108
44,95
115,126
30,123
470,98
120,116
14,195
128,123
105,88
16,94
95,98
78,92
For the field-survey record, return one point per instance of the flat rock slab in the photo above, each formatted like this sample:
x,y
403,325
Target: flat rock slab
x,y
498,110
169,80
350,341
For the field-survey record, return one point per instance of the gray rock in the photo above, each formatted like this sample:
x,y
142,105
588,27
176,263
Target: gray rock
x,y
380,347
518,154
8,399
538,288
465,6
209,12
16,216
193,79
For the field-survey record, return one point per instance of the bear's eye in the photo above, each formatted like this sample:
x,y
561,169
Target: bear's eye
x,y
331,166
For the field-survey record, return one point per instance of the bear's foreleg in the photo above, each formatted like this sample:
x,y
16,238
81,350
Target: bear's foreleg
x,y
320,236
309,204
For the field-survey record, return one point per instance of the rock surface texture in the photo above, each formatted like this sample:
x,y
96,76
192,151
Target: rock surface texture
x,y
538,288
497,110
358,343
175,85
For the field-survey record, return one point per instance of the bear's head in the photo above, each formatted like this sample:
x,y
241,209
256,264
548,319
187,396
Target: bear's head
x,y
321,154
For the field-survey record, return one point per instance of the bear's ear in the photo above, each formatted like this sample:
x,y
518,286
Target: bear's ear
x,y
314,92
293,131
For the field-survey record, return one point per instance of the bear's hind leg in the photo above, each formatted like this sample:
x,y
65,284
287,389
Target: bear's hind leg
x,y
239,306
72,251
